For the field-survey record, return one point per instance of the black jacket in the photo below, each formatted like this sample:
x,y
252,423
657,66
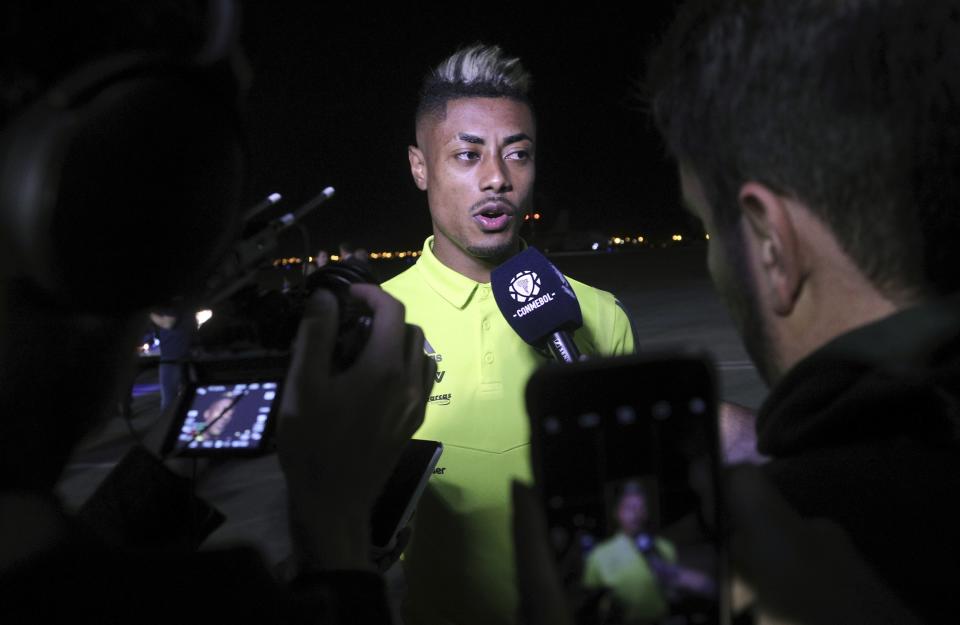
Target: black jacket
x,y
864,432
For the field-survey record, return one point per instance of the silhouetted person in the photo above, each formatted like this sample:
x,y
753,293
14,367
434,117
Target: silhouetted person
x,y
64,349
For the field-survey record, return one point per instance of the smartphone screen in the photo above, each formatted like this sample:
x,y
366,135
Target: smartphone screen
x,y
626,458
225,418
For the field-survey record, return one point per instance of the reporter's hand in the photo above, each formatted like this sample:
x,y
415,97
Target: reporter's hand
x,y
738,434
340,435
385,557
542,599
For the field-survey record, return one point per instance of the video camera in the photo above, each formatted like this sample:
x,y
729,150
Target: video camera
x,y
237,367
239,358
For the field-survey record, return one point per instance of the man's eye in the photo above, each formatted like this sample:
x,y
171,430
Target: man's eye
x,y
467,156
519,155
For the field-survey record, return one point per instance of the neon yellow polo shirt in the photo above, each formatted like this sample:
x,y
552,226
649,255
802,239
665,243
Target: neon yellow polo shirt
x,y
460,563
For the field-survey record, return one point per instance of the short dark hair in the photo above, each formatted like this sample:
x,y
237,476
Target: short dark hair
x,y
852,107
478,71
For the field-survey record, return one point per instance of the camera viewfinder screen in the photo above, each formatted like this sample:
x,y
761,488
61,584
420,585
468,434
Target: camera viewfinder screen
x,y
228,416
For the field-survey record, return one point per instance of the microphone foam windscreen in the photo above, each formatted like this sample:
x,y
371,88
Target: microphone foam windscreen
x,y
534,297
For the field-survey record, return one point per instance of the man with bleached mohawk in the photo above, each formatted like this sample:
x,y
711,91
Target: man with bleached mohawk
x,y
475,157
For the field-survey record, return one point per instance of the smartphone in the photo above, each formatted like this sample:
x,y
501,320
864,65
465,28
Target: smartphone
x,y
398,500
626,457
225,418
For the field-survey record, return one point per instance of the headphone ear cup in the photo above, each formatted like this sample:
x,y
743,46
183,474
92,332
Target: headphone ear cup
x,y
129,198
27,147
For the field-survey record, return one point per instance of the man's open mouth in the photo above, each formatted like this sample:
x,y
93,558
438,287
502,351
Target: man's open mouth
x,y
493,217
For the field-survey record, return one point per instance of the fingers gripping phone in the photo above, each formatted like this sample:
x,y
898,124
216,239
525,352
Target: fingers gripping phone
x,y
626,459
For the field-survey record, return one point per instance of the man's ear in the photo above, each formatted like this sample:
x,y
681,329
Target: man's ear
x,y
773,236
418,166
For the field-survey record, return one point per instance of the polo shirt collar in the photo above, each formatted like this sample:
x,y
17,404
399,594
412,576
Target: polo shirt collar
x,y
450,285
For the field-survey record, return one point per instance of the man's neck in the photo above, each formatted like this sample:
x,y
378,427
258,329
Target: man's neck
x,y
477,269
832,295
837,306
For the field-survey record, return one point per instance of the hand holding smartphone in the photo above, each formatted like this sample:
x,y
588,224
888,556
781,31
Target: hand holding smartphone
x,y
626,459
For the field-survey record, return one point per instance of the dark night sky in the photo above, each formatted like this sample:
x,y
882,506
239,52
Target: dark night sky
x,y
334,92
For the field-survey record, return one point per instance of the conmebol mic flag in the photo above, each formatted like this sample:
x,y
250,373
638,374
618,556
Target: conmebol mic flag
x,y
538,303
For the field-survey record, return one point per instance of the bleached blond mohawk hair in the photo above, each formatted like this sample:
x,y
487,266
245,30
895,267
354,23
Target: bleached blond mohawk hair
x,y
478,71
485,65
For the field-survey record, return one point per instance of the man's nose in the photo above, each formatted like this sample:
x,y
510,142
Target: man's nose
x,y
494,176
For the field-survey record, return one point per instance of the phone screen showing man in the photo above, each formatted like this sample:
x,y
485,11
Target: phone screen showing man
x,y
626,459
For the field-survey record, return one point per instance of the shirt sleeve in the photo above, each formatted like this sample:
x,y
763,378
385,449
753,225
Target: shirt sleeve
x,y
624,339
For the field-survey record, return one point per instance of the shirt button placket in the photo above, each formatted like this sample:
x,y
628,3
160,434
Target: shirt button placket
x,y
486,339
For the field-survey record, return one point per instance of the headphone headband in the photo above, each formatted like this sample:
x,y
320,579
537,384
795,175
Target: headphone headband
x,y
118,187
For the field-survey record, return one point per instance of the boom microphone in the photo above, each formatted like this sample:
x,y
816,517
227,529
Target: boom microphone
x,y
237,267
538,303
261,206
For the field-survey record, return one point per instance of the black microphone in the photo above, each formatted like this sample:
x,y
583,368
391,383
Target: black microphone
x,y
538,303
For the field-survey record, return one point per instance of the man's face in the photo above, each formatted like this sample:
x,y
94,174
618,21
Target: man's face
x,y
219,414
632,513
732,278
477,167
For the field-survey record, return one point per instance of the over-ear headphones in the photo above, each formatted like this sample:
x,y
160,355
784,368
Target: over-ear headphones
x,y
119,186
